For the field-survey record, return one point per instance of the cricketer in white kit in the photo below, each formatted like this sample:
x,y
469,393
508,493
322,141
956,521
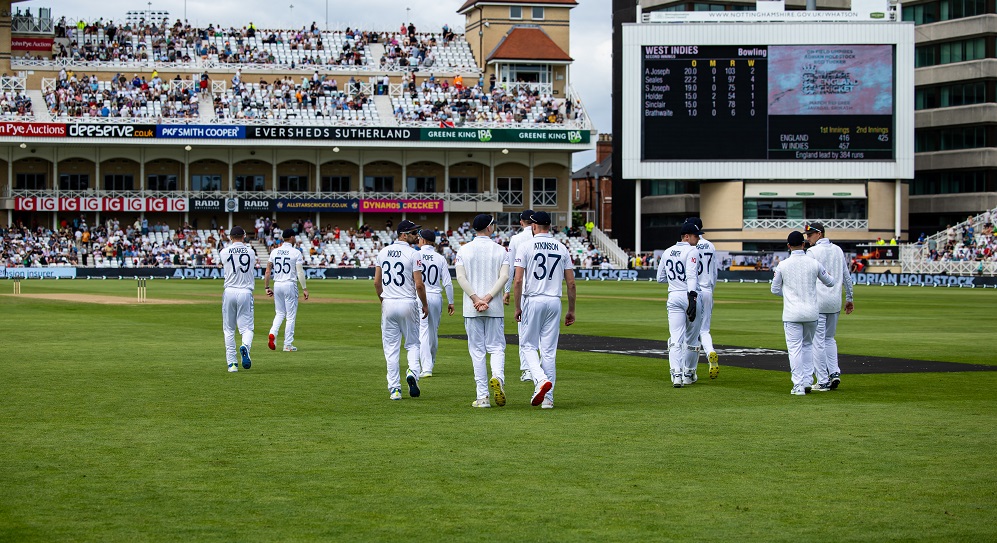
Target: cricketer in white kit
x,y
679,267
399,286
482,272
436,277
796,281
708,270
239,265
287,267
826,369
541,265
515,242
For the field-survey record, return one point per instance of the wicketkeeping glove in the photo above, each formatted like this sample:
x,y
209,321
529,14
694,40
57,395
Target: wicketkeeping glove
x,y
691,310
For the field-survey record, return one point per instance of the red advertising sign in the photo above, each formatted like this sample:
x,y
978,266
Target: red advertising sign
x,y
33,130
401,206
31,44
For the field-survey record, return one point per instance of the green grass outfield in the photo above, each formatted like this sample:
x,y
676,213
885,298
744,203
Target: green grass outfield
x,y
120,423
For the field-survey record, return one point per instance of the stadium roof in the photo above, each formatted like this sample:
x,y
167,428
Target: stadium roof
x,y
528,43
475,3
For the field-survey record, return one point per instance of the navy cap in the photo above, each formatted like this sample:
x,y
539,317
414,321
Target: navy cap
x,y
406,227
691,228
237,232
481,222
289,233
541,217
814,227
526,215
428,235
697,221
795,238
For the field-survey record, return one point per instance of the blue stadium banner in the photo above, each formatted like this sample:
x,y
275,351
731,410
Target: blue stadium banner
x,y
59,272
362,133
86,130
200,131
290,205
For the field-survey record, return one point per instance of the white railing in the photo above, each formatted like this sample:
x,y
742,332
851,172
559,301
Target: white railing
x,y
914,259
566,125
98,193
544,88
219,87
978,221
127,120
798,224
609,247
12,84
48,84
31,25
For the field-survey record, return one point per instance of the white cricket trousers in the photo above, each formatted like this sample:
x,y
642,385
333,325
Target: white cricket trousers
x,y
683,336
826,347
540,327
237,313
486,335
800,344
706,306
285,298
428,331
400,318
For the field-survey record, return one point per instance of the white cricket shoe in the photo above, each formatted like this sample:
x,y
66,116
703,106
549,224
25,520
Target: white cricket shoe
x,y
547,404
798,390
540,392
232,368
677,380
425,374
481,402
396,394
290,348
527,376
689,378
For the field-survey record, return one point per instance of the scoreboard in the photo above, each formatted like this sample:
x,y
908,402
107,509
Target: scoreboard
x,y
768,100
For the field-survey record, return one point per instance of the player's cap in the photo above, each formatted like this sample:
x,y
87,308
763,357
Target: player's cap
x,y
691,228
236,232
697,221
289,233
482,222
813,227
407,227
795,238
526,215
428,235
541,217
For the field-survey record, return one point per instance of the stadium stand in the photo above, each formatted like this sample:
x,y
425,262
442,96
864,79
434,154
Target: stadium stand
x,y
966,248
312,100
88,97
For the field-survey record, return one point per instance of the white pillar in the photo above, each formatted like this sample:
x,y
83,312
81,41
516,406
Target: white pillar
x,y
141,179
55,186
528,196
637,216
570,197
897,208
404,180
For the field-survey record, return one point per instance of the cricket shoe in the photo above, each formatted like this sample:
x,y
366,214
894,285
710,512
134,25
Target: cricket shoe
x,y
246,361
290,348
527,376
542,389
835,380
425,374
232,368
413,384
495,387
714,361
677,380
798,390
689,378
270,342
481,402
548,404
396,394
821,387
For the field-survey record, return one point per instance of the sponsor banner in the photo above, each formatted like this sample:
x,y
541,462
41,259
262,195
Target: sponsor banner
x,y
33,130
332,133
169,205
31,44
200,131
504,135
60,272
913,279
401,206
311,205
207,204
254,204
81,130
124,205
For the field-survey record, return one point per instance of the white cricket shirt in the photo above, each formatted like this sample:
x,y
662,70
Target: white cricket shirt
x,y
833,259
796,281
435,272
398,263
285,259
239,262
707,265
515,242
543,260
482,260
679,267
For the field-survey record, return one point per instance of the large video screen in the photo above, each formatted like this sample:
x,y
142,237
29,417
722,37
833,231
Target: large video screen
x,y
768,102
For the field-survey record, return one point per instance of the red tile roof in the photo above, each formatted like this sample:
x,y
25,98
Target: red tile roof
x,y
471,3
528,43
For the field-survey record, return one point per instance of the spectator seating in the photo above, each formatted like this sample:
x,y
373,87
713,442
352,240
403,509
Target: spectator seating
x,y
90,97
443,102
15,104
287,100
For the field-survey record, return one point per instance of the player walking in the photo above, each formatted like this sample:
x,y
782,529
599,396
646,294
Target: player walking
x,y
829,304
398,283
796,281
541,264
679,267
286,265
482,272
707,269
436,277
239,264
515,242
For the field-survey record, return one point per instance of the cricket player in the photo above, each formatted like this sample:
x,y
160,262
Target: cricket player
x,y
482,272
707,269
287,267
542,263
796,281
679,267
399,287
515,242
436,277
826,368
239,263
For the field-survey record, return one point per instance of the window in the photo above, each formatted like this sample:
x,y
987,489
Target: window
x,y
162,182
336,183
74,181
292,183
506,221
205,183
379,183
464,184
29,181
929,182
668,187
516,12
119,182
250,183
943,10
510,190
773,209
538,13
949,52
421,184
544,191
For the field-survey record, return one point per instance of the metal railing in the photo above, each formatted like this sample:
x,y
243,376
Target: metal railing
x,y
798,224
913,259
12,84
31,25
609,247
100,193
